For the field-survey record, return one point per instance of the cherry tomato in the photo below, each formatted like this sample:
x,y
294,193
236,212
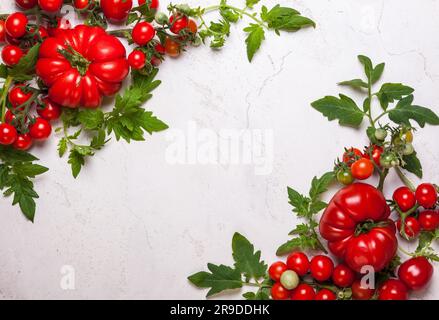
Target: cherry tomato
x,y
116,10
2,31
404,198
429,220
298,262
143,33
11,40
23,142
43,33
289,279
50,110
81,4
178,23
8,134
393,289
9,117
61,24
41,129
343,276
156,61
50,5
26,4
192,26
16,25
361,293
303,292
18,97
279,293
325,294
344,176
352,155
276,269
321,268
160,49
362,169
11,55
416,273
172,48
426,195
376,152
412,227
154,4
137,59
380,134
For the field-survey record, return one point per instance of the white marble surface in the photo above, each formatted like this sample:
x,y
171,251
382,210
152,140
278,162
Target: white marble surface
x,y
135,226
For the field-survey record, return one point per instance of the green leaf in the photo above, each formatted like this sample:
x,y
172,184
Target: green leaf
x,y
24,70
370,131
377,72
368,66
299,202
355,83
251,3
390,92
404,112
29,169
91,119
229,14
256,35
13,156
77,161
3,71
413,165
344,109
299,243
284,18
321,185
246,259
62,147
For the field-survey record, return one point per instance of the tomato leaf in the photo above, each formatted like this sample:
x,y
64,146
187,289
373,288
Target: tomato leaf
x,y
256,35
284,18
355,84
251,3
25,69
91,119
405,111
390,92
247,261
413,164
320,185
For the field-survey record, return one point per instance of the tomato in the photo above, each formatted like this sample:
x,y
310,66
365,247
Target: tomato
x,y
362,169
116,10
10,117
16,25
11,55
406,136
41,129
50,110
361,293
172,48
26,4
276,269
160,49
352,155
81,4
298,262
416,273
23,142
98,71
393,289
404,198
321,268
2,31
143,33
18,97
154,4
343,276
8,134
137,59
61,24
43,33
156,61
426,195
192,26
289,280
412,227
178,23
344,176
325,294
303,292
429,220
345,224
50,5
389,160
408,149
376,152
380,134
279,293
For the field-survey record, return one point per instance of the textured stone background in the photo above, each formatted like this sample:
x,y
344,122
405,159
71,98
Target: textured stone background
x,y
135,226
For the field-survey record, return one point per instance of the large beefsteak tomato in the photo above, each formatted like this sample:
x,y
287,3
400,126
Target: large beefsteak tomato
x,y
81,66
357,228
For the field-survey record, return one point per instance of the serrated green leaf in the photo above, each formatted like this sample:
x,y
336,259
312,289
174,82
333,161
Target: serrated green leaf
x,y
29,169
377,72
229,15
299,202
256,35
62,147
355,83
91,119
76,161
368,66
413,164
246,259
390,92
320,185
284,18
299,243
251,3
405,111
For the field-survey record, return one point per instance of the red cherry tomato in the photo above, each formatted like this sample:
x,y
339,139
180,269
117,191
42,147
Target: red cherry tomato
x,y
18,97
11,55
299,263
376,151
81,4
154,4
426,195
42,32
50,5
429,220
26,4
23,142
192,26
61,24
16,25
278,292
362,169
325,294
416,273
172,48
276,269
160,49
412,227
8,134
178,23
361,293
404,198
116,10
393,289
321,268
2,31
343,276
137,59
50,110
9,117
143,33
303,292
352,155
41,129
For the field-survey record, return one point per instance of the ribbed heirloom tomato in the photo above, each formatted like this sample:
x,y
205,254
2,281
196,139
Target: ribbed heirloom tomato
x,y
82,65
357,228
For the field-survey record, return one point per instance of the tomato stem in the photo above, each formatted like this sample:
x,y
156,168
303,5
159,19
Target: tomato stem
x,y
240,11
383,176
404,179
5,92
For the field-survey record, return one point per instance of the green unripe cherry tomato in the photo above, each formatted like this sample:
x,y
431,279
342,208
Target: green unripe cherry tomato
x,y
345,177
380,134
289,280
408,149
389,160
161,18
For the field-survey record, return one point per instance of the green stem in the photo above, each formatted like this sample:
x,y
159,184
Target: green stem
x,y
5,92
240,11
369,95
405,252
383,176
404,179
319,243
380,116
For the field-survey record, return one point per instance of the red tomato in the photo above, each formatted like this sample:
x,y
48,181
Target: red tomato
x,y
2,31
8,134
325,294
100,71
18,97
376,151
352,155
321,268
426,195
23,142
404,198
61,24
299,263
343,276
429,220
81,4
50,5
361,293
50,110
9,117
393,289
143,33
11,55
276,269
279,293
43,33
416,273
349,211
16,25
412,227
303,292
41,129
137,59
26,4
156,61
154,4
362,169
160,49
192,26
178,23
116,10
172,48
